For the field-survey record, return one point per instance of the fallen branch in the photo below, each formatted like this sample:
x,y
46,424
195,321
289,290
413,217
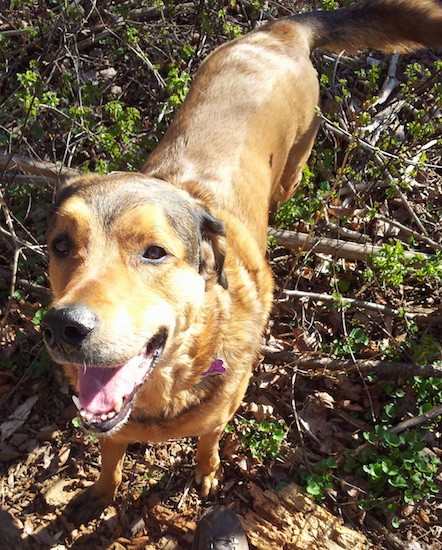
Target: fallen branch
x,y
315,362
382,534
15,163
9,177
417,420
303,242
350,302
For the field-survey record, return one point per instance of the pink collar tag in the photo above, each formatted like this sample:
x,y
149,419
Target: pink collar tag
x,y
216,368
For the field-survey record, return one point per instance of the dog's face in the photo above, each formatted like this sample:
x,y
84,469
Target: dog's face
x,y
130,258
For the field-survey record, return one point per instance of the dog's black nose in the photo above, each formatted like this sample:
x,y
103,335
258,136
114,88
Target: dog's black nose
x,y
67,325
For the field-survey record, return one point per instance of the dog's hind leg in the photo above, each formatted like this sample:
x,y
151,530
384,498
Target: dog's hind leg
x,y
292,174
208,461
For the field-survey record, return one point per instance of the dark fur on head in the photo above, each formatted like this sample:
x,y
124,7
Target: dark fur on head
x,y
212,246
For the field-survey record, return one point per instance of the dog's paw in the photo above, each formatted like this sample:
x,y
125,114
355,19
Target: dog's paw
x,y
208,484
86,506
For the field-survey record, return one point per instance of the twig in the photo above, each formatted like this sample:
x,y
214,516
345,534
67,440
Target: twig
x,y
350,302
313,361
408,231
383,122
17,251
339,249
262,13
417,420
15,32
20,243
138,14
298,419
145,14
417,156
379,157
391,81
349,234
371,148
402,196
23,283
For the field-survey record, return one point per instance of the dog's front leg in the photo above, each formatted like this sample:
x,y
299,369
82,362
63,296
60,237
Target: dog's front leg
x,y
207,457
112,457
91,502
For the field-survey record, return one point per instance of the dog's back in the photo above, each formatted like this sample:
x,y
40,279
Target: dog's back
x,y
248,124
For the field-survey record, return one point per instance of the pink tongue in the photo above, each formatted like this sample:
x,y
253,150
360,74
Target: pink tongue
x,y
103,389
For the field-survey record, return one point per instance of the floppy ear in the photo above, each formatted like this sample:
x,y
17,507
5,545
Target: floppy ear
x,y
213,247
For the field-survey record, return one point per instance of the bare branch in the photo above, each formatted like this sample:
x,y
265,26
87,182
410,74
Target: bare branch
x,y
408,231
14,163
315,362
417,420
372,148
303,242
350,302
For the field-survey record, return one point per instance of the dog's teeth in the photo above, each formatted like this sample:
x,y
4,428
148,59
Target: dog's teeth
x,y
104,416
117,406
83,413
111,415
89,416
76,402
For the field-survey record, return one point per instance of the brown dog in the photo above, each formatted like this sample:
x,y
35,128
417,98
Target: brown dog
x,y
161,288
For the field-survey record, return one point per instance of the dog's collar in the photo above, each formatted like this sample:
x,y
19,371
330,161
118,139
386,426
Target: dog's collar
x,y
216,368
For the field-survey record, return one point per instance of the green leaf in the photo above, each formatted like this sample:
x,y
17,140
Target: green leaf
x,y
76,422
395,522
392,439
359,336
398,481
39,314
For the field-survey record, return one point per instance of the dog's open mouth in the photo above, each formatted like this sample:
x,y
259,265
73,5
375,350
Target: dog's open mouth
x,y
106,394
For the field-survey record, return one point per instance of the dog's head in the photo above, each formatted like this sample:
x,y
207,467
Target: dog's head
x,y
130,260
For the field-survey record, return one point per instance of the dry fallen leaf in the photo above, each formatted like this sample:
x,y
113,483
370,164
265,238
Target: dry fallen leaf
x,y
260,411
63,456
59,492
17,418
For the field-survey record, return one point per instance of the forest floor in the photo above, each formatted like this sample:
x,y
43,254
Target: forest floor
x,y
345,402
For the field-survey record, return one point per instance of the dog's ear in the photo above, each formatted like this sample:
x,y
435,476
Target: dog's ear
x,y
212,248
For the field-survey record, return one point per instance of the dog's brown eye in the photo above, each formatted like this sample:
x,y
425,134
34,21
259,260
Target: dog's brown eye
x,y
154,254
61,246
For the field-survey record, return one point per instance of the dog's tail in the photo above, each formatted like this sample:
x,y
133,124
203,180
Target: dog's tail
x,y
387,25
